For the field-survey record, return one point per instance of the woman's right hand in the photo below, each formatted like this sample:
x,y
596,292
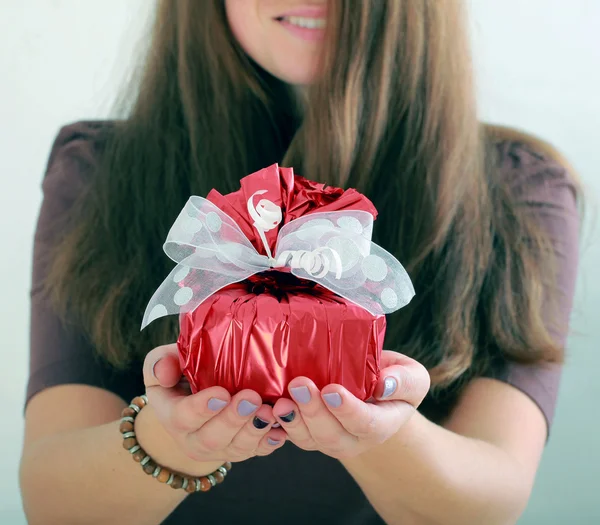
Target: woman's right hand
x,y
209,426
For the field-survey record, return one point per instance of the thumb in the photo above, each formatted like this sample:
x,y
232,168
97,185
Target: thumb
x,y
161,367
402,379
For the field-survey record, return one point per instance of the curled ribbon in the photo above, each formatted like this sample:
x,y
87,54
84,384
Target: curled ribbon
x,y
267,216
312,263
333,249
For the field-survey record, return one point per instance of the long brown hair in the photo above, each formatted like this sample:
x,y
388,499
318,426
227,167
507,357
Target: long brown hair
x,y
393,115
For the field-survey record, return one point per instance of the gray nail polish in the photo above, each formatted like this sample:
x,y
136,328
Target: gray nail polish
x,y
154,367
334,399
275,425
389,387
301,394
216,404
273,442
245,408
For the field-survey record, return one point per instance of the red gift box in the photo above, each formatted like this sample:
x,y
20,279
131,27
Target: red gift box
x,y
277,280
261,337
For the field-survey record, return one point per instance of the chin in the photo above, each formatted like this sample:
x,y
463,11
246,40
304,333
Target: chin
x,y
297,76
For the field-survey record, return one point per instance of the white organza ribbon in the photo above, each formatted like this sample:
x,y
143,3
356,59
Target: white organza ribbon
x,y
333,249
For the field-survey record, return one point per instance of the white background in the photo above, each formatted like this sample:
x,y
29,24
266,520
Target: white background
x,y
538,67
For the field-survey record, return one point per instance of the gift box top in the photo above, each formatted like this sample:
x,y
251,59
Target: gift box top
x,y
296,196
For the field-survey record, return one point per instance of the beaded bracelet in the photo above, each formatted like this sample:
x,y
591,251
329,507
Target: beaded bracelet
x,y
162,474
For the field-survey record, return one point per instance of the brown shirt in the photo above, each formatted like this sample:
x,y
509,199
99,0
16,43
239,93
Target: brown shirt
x,y
291,486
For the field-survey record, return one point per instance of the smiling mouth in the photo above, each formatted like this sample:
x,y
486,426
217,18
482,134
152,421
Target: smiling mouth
x,y
304,22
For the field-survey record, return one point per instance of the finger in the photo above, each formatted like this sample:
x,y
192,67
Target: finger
x,y
270,442
404,379
218,432
187,413
161,366
246,441
160,395
374,422
322,425
288,416
355,416
389,358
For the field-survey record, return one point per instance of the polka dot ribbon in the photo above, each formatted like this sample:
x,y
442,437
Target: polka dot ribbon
x,y
333,249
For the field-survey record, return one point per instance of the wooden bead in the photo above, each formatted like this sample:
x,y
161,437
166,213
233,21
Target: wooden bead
x,y
125,426
129,443
218,475
138,402
191,485
163,476
128,412
139,455
149,467
228,466
205,484
177,482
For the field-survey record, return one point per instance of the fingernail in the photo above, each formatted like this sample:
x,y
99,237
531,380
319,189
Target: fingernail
x,y
273,442
301,394
289,417
154,366
216,404
276,425
245,408
333,400
259,423
389,387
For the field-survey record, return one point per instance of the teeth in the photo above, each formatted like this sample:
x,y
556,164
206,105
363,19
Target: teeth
x,y
308,23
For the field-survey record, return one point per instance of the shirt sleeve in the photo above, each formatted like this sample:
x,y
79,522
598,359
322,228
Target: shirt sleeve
x,y
548,192
59,351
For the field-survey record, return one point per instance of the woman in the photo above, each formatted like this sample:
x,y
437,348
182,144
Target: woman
x,y
485,221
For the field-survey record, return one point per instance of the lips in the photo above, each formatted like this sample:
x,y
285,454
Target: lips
x,y
307,12
306,23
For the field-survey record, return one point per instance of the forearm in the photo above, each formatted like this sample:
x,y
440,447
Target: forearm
x,y
85,476
429,475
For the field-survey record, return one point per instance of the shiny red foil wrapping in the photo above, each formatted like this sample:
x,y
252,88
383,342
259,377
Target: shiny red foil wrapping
x,y
296,196
257,336
263,332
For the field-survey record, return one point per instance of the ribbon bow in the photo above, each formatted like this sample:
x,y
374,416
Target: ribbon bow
x,y
333,249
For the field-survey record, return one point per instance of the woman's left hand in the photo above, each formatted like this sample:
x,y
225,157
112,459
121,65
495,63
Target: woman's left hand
x,y
338,424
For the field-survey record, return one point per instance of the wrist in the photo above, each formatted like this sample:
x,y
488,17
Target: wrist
x,y
163,449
